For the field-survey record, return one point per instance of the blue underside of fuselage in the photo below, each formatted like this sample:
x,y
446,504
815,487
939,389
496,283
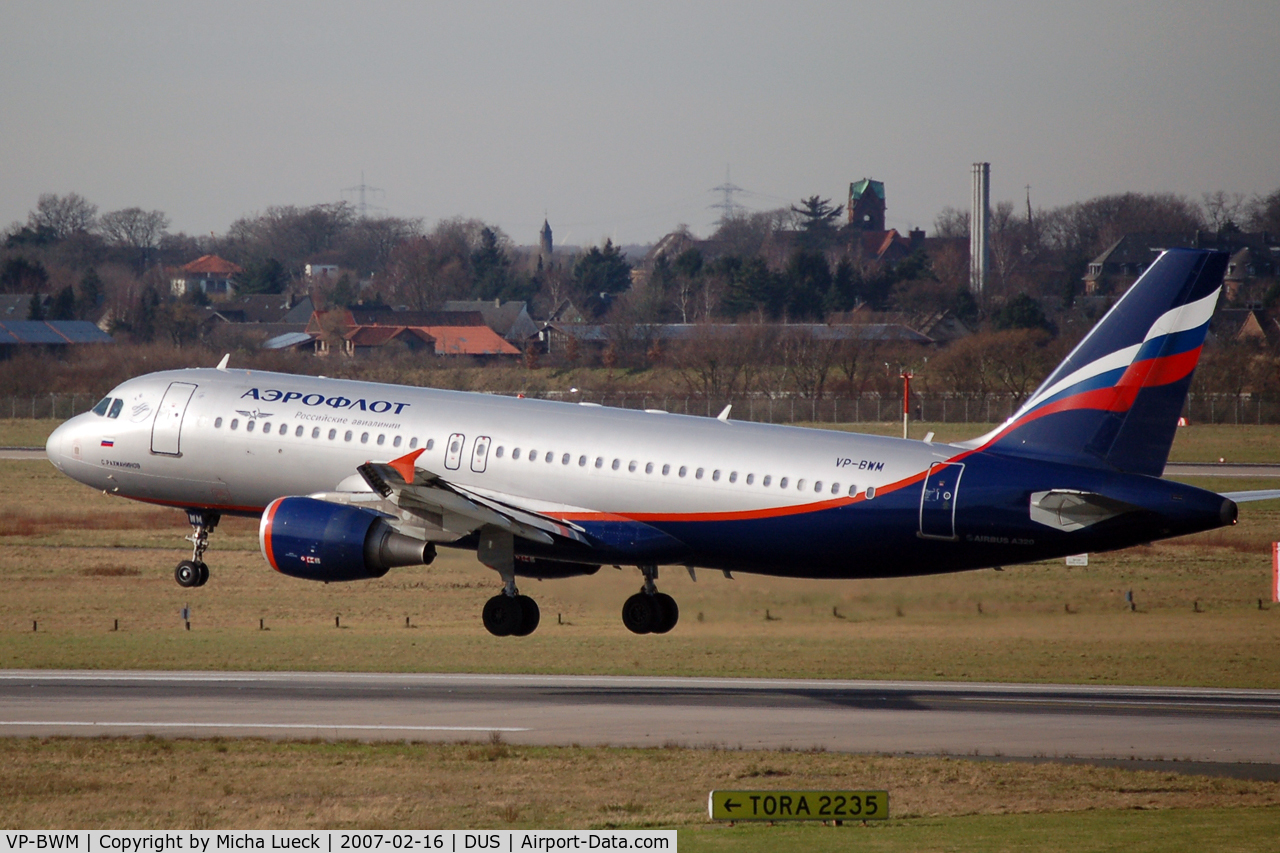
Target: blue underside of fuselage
x,y
881,537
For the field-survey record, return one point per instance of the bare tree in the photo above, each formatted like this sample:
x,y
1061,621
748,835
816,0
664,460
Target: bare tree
x,y
63,215
1222,209
951,223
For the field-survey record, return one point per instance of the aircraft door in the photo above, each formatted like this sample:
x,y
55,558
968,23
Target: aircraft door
x,y
453,452
480,455
166,430
938,500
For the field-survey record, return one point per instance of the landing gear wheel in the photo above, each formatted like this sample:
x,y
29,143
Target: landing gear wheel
x,y
641,613
503,615
670,612
204,574
187,574
529,616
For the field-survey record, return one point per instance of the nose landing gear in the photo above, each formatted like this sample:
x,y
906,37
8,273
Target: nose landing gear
x,y
650,611
194,572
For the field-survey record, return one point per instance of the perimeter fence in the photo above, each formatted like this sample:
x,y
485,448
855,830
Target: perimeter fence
x,y
782,408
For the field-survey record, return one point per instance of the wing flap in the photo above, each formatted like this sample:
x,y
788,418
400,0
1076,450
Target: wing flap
x,y
457,509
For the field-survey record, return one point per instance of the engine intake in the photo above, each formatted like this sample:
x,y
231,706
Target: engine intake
x,y
321,541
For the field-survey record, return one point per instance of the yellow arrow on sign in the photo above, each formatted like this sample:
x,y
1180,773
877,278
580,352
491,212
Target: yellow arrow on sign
x,y
798,805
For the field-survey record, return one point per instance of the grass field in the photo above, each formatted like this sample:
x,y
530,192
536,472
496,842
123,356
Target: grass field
x,y
935,803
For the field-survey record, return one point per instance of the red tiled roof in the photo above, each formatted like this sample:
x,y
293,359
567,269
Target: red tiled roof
x,y
211,265
469,340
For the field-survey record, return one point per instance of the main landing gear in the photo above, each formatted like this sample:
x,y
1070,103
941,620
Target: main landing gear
x,y
507,614
650,611
194,572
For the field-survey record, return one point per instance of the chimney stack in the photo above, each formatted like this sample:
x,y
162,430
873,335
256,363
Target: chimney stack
x,y
979,229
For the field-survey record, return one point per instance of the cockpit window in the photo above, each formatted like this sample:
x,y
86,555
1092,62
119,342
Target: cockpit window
x,y
101,408
116,407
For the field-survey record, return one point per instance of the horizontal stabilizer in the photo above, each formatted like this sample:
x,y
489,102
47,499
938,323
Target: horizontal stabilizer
x,y
1257,495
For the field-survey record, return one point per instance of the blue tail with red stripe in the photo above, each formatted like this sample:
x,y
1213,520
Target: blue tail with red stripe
x,y
1114,402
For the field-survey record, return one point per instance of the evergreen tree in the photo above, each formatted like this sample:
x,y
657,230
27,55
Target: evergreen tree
x,y
35,308
63,306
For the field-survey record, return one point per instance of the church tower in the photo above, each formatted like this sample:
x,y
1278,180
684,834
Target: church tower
x,y
866,205
544,245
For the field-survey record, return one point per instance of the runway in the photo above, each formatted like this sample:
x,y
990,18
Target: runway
x,y
993,720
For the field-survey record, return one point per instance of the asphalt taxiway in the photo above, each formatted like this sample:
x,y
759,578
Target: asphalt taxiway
x,y
1012,721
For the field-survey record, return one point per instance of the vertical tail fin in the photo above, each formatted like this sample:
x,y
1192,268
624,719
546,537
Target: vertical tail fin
x,y
1116,398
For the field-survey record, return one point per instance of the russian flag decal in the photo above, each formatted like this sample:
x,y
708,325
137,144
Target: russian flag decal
x,y
108,442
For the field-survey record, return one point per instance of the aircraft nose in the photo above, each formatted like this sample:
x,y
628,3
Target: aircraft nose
x,y
56,447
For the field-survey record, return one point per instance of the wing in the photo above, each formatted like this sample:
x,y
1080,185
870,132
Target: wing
x,y
446,510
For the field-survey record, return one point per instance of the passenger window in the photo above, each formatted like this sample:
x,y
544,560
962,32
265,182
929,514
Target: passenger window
x,y
800,485
817,486
333,434
515,453
235,423
683,470
498,453
550,457
564,460
599,461
767,480
431,442
364,438
382,439
395,442
101,408
116,408
751,478
871,492
284,429
217,423
347,437
853,490
533,456
617,463
249,425
266,427
782,484
666,469
715,475
648,468
582,462
733,476
698,474
315,432
835,488
631,466
299,431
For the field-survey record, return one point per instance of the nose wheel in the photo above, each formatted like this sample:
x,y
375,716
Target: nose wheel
x,y
194,572
650,611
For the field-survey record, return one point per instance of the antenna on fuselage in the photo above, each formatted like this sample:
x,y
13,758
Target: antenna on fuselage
x,y
222,365
724,415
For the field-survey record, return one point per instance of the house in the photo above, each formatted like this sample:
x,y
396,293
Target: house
x,y
510,320
209,274
52,335
1120,264
365,331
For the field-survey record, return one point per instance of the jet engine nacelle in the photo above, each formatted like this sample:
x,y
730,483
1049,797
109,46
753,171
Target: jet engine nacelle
x,y
543,569
321,541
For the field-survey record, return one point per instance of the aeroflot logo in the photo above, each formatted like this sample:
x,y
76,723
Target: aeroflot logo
x,y
273,395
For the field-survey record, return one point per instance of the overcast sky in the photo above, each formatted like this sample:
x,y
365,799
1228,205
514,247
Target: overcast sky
x,y
615,120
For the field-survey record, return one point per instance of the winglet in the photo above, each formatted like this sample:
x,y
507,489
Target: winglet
x,y
222,365
404,465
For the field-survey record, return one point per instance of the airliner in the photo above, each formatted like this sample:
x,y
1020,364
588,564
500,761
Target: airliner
x,y
353,479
